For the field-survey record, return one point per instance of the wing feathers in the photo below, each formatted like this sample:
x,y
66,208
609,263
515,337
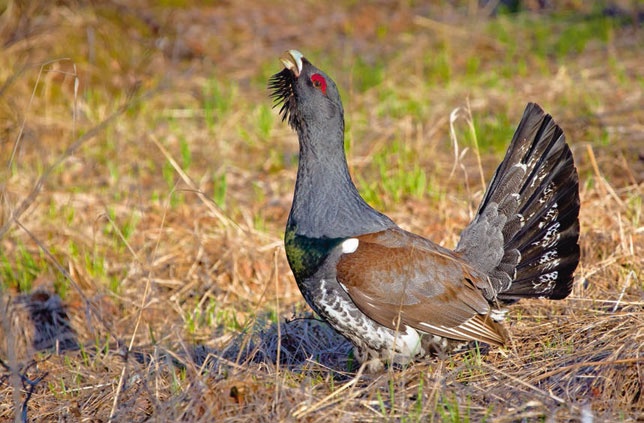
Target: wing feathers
x,y
479,327
398,278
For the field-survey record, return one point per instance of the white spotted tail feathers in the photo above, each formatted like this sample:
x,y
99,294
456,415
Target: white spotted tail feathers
x,y
525,234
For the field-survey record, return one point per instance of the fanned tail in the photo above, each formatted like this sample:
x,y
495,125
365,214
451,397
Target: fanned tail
x,y
525,234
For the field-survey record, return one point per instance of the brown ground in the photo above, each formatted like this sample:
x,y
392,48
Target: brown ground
x,y
119,124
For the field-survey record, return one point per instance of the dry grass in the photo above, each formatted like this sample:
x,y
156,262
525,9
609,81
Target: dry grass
x,y
144,185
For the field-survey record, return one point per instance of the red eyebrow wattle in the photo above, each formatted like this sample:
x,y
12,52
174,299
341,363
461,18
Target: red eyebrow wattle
x,y
319,81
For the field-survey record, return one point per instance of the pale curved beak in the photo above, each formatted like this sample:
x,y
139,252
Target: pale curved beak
x,y
292,60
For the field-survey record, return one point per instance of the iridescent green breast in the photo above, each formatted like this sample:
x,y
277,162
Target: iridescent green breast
x,y
306,255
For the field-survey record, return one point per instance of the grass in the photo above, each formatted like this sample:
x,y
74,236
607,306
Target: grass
x,y
145,181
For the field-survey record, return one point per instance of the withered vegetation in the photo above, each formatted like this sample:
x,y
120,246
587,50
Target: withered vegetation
x,y
145,183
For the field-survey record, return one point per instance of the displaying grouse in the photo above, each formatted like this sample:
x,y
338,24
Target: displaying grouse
x,y
398,296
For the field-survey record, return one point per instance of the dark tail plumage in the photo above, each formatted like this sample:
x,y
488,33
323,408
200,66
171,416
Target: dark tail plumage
x,y
526,231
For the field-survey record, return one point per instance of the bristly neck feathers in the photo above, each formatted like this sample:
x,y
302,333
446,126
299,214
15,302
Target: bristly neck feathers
x,y
326,203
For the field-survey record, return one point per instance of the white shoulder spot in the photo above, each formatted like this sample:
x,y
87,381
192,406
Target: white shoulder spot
x,y
350,245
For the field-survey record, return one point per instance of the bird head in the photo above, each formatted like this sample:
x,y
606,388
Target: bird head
x,y
309,98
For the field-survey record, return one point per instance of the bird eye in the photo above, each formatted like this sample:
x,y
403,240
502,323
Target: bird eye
x,y
319,82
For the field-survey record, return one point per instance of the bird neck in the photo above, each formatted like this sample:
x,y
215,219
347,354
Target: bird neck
x,y
326,203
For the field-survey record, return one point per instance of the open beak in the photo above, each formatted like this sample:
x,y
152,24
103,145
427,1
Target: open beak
x,y
292,60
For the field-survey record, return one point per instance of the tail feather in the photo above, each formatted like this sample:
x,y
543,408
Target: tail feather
x,y
525,235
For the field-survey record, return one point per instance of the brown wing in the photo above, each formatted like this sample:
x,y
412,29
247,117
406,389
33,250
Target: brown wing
x,y
398,278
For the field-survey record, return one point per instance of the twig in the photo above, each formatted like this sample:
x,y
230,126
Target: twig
x,y
129,348
494,370
454,31
80,141
53,260
28,385
225,220
563,369
7,83
452,136
279,332
31,101
477,151
627,283
330,399
608,190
